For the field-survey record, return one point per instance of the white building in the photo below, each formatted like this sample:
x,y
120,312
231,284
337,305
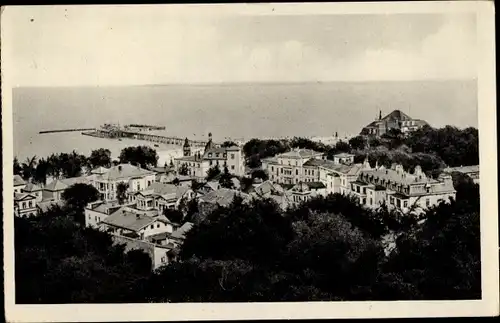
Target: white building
x,y
290,168
401,190
471,171
198,164
106,180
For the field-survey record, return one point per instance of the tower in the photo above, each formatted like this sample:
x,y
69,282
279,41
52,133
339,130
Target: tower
x,y
380,115
186,148
209,144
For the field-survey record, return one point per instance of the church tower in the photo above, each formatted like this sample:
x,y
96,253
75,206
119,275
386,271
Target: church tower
x,y
186,148
210,144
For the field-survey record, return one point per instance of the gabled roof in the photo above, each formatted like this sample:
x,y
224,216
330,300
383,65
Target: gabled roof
x,y
128,220
23,196
30,187
167,191
18,180
342,169
223,196
124,171
181,232
397,115
64,183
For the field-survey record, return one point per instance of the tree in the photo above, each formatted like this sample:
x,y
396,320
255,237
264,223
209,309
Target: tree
x,y
29,168
58,261
142,156
41,172
18,170
77,196
121,192
358,142
259,173
342,146
225,179
100,157
183,170
212,172
229,143
173,215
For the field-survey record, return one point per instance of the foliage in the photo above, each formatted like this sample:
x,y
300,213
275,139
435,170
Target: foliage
x,y
100,157
173,215
77,196
58,261
256,149
228,143
358,142
121,192
183,170
225,179
212,172
142,156
259,173
17,169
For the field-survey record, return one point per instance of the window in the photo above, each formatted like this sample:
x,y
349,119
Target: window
x,y
405,204
427,202
224,155
281,170
296,163
272,169
157,225
232,156
96,218
232,167
371,201
152,226
210,163
24,205
217,155
296,172
289,163
209,154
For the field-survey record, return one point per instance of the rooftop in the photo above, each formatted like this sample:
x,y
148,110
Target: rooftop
x,y
128,220
64,183
124,171
167,191
300,153
463,169
30,187
223,196
401,177
99,170
181,232
22,196
18,180
343,155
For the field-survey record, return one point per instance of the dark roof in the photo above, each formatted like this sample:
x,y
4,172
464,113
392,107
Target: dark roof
x,y
315,185
360,183
314,162
128,220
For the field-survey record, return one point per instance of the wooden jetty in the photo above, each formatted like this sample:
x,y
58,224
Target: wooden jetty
x,y
115,134
66,130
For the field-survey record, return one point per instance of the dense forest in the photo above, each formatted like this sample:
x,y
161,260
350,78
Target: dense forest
x,y
327,249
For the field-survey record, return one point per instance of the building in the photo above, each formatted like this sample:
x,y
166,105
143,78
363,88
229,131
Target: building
x,y
394,120
97,211
53,191
401,190
303,192
291,167
24,204
19,183
106,180
270,190
127,222
338,177
471,171
197,164
159,197
34,190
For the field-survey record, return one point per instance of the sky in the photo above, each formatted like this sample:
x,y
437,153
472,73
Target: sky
x,y
99,46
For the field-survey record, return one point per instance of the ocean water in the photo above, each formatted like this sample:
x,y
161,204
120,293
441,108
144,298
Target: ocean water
x,y
237,111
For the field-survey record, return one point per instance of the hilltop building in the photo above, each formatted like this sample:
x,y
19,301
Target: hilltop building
x,y
196,165
394,120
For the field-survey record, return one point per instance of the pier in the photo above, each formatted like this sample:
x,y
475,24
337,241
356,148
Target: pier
x,y
115,134
66,130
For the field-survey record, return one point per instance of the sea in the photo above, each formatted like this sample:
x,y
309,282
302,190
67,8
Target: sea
x,y
229,111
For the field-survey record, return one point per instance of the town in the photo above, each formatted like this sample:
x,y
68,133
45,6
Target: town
x,y
148,208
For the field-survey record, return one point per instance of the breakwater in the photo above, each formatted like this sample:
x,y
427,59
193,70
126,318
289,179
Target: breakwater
x,y
116,134
66,130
